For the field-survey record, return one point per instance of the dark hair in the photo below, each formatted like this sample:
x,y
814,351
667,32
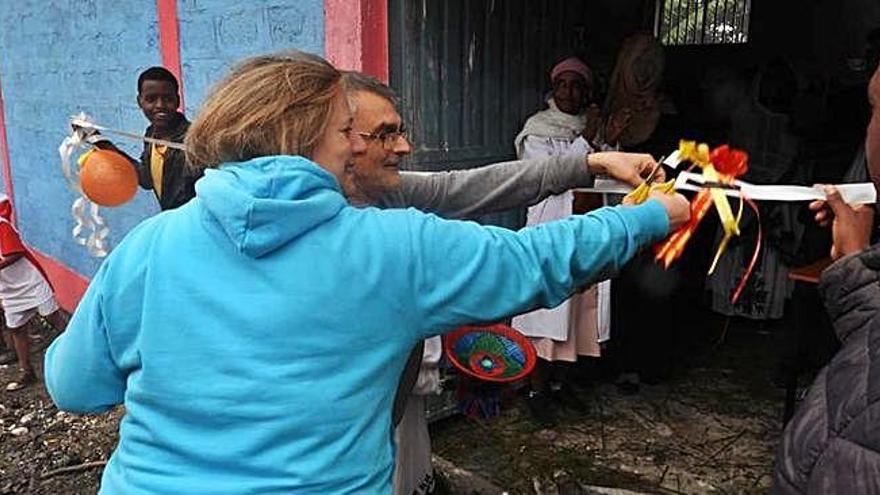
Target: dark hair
x,y
157,74
358,81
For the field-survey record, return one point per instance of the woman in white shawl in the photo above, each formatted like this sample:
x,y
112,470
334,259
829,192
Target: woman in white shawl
x,y
575,327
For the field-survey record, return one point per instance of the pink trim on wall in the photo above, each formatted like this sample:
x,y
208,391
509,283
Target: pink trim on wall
x,y
342,33
69,286
169,40
356,35
4,155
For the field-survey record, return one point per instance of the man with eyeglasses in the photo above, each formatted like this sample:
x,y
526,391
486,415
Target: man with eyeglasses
x,y
374,178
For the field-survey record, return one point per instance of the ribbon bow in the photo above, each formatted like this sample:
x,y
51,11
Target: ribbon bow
x,y
720,168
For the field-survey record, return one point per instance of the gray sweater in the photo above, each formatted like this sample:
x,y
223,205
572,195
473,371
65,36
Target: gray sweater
x,y
492,188
477,191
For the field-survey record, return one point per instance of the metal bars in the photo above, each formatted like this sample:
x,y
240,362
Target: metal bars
x,y
702,22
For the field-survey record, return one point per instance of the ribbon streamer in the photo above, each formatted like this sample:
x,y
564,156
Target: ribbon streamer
x,y
751,267
89,220
90,229
719,167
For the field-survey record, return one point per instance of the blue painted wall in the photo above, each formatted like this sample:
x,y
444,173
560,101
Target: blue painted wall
x,y
58,57
215,34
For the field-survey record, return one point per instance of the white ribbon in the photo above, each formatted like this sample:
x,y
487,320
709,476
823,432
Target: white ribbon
x,y
91,229
858,193
854,194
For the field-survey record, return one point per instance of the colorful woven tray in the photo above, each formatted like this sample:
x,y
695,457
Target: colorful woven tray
x,y
495,353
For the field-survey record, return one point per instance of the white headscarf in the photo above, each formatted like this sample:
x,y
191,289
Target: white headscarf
x,y
551,123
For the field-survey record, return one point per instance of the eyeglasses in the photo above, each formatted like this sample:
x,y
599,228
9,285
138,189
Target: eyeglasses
x,y
387,137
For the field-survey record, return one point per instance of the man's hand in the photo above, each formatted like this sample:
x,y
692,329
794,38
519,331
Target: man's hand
x,y
677,208
850,226
631,168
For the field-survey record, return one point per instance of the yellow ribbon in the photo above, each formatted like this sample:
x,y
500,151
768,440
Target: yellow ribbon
x,y
699,155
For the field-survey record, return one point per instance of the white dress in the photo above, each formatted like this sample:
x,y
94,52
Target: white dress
x,y
576,326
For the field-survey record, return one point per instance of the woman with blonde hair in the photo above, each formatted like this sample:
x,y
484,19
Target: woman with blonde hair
x,y
256,334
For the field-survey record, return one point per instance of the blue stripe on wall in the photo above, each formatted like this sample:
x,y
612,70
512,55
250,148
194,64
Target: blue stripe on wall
x,y
213,38
60,57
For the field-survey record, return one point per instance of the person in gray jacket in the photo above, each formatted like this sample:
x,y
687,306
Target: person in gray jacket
x,y
832,444
374,179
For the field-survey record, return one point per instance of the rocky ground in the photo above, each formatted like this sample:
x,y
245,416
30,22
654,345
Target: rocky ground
x,y
47,451
711,429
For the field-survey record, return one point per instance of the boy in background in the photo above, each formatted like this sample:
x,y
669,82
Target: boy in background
x,y
160,168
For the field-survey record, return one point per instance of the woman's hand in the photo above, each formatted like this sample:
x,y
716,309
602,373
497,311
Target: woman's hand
x,y
677,208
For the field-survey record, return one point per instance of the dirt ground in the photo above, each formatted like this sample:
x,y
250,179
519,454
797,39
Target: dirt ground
x,y
711,429
44,450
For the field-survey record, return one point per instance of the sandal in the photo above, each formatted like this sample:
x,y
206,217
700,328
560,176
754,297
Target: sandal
x,y
22,380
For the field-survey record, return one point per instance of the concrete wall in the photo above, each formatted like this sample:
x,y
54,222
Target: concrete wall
x,y
58,57
216,33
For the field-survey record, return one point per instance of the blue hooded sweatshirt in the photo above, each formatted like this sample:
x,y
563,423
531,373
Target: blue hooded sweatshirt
x,y
256,335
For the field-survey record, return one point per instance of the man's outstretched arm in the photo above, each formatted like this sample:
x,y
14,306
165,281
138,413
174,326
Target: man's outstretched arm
x,y
502,186
497,187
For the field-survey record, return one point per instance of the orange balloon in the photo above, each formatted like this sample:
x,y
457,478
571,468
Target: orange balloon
x,y
107,178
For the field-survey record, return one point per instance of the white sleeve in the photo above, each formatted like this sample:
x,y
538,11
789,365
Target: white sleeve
x,y
580,146
536,147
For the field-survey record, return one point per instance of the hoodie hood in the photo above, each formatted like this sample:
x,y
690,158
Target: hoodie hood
x,y
264,203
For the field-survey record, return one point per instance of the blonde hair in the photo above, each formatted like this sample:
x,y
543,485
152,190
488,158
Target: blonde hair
x,y
275,104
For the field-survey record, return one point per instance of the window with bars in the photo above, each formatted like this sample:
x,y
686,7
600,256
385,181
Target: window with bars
x,y
702,22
